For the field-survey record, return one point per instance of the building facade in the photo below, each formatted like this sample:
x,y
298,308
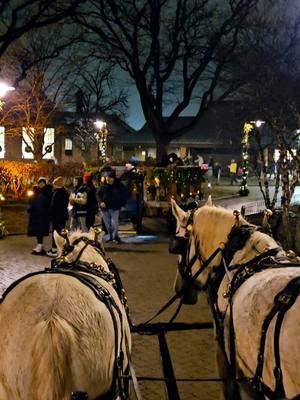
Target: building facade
x,y
217,135
62,143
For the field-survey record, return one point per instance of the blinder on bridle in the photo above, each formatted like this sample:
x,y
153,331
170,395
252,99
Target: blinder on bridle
x,y
180,245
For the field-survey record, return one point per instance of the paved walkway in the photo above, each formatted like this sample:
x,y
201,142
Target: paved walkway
x,y
147,271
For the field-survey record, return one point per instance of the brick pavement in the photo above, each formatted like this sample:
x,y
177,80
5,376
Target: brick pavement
x,y
147,272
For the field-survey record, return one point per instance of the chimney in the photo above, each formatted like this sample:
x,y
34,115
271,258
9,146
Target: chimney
x,y
79,101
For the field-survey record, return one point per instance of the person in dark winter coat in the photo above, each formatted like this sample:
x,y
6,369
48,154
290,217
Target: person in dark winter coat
x,y
91,203
112,197
38,213
58,211
78,199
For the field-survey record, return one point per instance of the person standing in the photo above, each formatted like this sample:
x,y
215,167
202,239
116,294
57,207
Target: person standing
x,y
217,172
91,202
38,213
233,170
112,197
58,211
78,199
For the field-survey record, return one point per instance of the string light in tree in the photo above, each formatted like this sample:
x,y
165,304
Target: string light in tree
x,y
247,129
102,139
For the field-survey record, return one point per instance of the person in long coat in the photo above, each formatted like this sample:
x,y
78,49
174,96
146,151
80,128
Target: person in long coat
x,y
58,211
112,197
38,213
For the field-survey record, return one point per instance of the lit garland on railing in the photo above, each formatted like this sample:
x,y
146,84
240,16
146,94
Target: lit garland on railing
x,y
183,177
247,129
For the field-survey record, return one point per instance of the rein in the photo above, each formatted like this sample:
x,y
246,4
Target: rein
x,y
120,381
180,293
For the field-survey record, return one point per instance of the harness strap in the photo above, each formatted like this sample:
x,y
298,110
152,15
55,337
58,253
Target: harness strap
x,y
283,301
104,296
245,271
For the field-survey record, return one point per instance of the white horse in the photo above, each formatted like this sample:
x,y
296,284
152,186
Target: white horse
x,y
252,301
56,337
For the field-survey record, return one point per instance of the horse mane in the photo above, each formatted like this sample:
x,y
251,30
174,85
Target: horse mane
x,y
78,234
212,225
89,253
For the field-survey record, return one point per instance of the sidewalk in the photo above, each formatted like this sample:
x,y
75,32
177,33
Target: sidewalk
x,y
15,214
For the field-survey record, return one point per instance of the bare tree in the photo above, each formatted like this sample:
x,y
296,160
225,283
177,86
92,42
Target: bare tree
x,y
97,97
173,50
43,90
100,93
269,55
18,17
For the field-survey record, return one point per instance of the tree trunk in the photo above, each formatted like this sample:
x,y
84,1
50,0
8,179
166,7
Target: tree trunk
x,y
161,151
285,198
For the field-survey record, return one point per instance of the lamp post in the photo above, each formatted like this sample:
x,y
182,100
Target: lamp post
x,y
4,88
247,129
101,134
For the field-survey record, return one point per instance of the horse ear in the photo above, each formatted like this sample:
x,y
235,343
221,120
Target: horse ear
x,y
91,233
178,212
209,201
59,240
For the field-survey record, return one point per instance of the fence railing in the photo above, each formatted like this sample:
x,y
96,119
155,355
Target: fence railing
x,y
256,207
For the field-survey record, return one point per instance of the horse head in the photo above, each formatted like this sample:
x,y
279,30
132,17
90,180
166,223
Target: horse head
x,y
203,230
84,247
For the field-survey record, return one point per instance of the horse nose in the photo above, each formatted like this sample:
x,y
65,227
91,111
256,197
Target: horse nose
x,y
79,396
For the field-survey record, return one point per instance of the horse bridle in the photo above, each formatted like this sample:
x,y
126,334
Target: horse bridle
x,y
112,276
181,246
75,268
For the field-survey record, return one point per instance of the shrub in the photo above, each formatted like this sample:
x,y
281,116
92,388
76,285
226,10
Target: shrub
x,y
16,176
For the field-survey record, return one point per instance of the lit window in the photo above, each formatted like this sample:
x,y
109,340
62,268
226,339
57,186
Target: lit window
x,y
27,144
68,147
68,144
48,147
2,149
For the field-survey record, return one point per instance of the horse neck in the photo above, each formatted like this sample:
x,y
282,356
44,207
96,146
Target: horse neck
x,y
213,229
257,244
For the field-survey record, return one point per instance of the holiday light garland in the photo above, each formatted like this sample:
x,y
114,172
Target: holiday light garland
x,y
185,178
247,129
102,143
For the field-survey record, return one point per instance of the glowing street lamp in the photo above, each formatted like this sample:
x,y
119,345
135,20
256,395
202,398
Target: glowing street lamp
x,y
4,88
102,138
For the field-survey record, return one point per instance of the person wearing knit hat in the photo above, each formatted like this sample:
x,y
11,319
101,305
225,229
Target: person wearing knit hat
x,y
42,179
58,182
87,178
58,210
38,214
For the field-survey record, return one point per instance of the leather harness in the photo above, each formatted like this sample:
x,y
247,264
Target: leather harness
x,y
283,301
79,270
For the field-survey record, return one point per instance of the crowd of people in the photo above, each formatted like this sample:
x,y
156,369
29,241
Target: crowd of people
x,y
52,206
